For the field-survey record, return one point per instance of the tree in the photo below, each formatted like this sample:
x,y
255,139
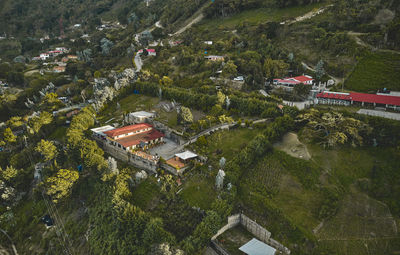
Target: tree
x,y
319,69
302,90
14,122
221,98
9,136
229,70
60,186
186,115
166,81
275,68
47,149
9,173
51,102
37,122
154,233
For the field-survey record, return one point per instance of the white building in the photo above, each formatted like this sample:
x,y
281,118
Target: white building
x,y
139,117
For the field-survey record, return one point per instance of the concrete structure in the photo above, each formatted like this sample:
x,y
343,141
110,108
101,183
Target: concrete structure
x,y
256,247
253,227
180,162
354,98
382,114
215,58
140,117
59,69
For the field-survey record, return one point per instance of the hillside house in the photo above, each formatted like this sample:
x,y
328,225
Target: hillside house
x,y
291,82
353,98
130,137
59,69
44,56
151,52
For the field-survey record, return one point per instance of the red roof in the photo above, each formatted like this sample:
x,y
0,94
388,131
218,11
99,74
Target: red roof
x,y
147,136
303,78
127,129
151,50
362,97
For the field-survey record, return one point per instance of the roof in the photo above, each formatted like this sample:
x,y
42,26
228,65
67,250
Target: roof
x,y
101,130
362,97
186,155
256,247
303,78
151,50
142,114
136,139
127,129
214,56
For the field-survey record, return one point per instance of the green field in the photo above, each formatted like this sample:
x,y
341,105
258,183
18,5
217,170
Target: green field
x,y
199,192
261,15
375,71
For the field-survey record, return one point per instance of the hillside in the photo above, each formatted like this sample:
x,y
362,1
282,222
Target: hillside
x,y
141,127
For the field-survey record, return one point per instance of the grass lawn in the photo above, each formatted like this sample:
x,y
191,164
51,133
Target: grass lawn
x,y
229,142
128,104
199,192
145,193
375,71
256,16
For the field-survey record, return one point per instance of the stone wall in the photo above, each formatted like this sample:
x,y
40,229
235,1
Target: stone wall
x,y
253,227
130,158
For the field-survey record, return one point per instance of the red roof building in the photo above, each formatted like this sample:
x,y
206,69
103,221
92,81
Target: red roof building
x,y
132,136
292,81
387,101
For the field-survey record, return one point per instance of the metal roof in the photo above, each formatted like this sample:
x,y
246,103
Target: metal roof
x,y
186,155
142,114
101,130
256,247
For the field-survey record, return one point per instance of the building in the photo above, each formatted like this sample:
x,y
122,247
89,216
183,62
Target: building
x,y
59,69
256,247
140,117
44,56
362,99
291,82
133,136
180,162
215,58
208,42
151,52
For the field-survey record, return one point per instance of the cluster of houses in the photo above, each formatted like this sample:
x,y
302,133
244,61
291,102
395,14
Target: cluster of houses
x,y
51,53
133,142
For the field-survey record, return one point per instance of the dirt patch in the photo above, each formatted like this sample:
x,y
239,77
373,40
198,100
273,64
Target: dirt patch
x,y
291,145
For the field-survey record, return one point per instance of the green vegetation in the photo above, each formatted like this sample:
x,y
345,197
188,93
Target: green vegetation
x,y
374,72
145,194
199,192
260,15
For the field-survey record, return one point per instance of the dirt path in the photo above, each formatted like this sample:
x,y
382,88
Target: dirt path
x,y
336,79
308,15
359,41
196,17
291,145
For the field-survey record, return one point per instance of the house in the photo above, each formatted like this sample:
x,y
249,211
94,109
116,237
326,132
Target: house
x,y
133,136
151,52
215,58
140,117
59,69
293,81
208,42
54,53
256,247
181,160
62,49
239,78
44,56
354,98
72,113
77,25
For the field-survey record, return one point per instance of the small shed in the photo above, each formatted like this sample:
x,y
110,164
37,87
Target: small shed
x,y
256,247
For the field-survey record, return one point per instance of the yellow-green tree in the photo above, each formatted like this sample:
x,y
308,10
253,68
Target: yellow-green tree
x,y
9,173
60,185
51,102
14,122
37,122
9,136
166,81
221,98
186,114
47,149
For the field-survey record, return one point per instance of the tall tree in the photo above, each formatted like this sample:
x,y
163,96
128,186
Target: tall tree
x,y
47,149
60,185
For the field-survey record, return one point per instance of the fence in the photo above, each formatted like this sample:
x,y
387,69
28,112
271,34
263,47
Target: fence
x,y
253,227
